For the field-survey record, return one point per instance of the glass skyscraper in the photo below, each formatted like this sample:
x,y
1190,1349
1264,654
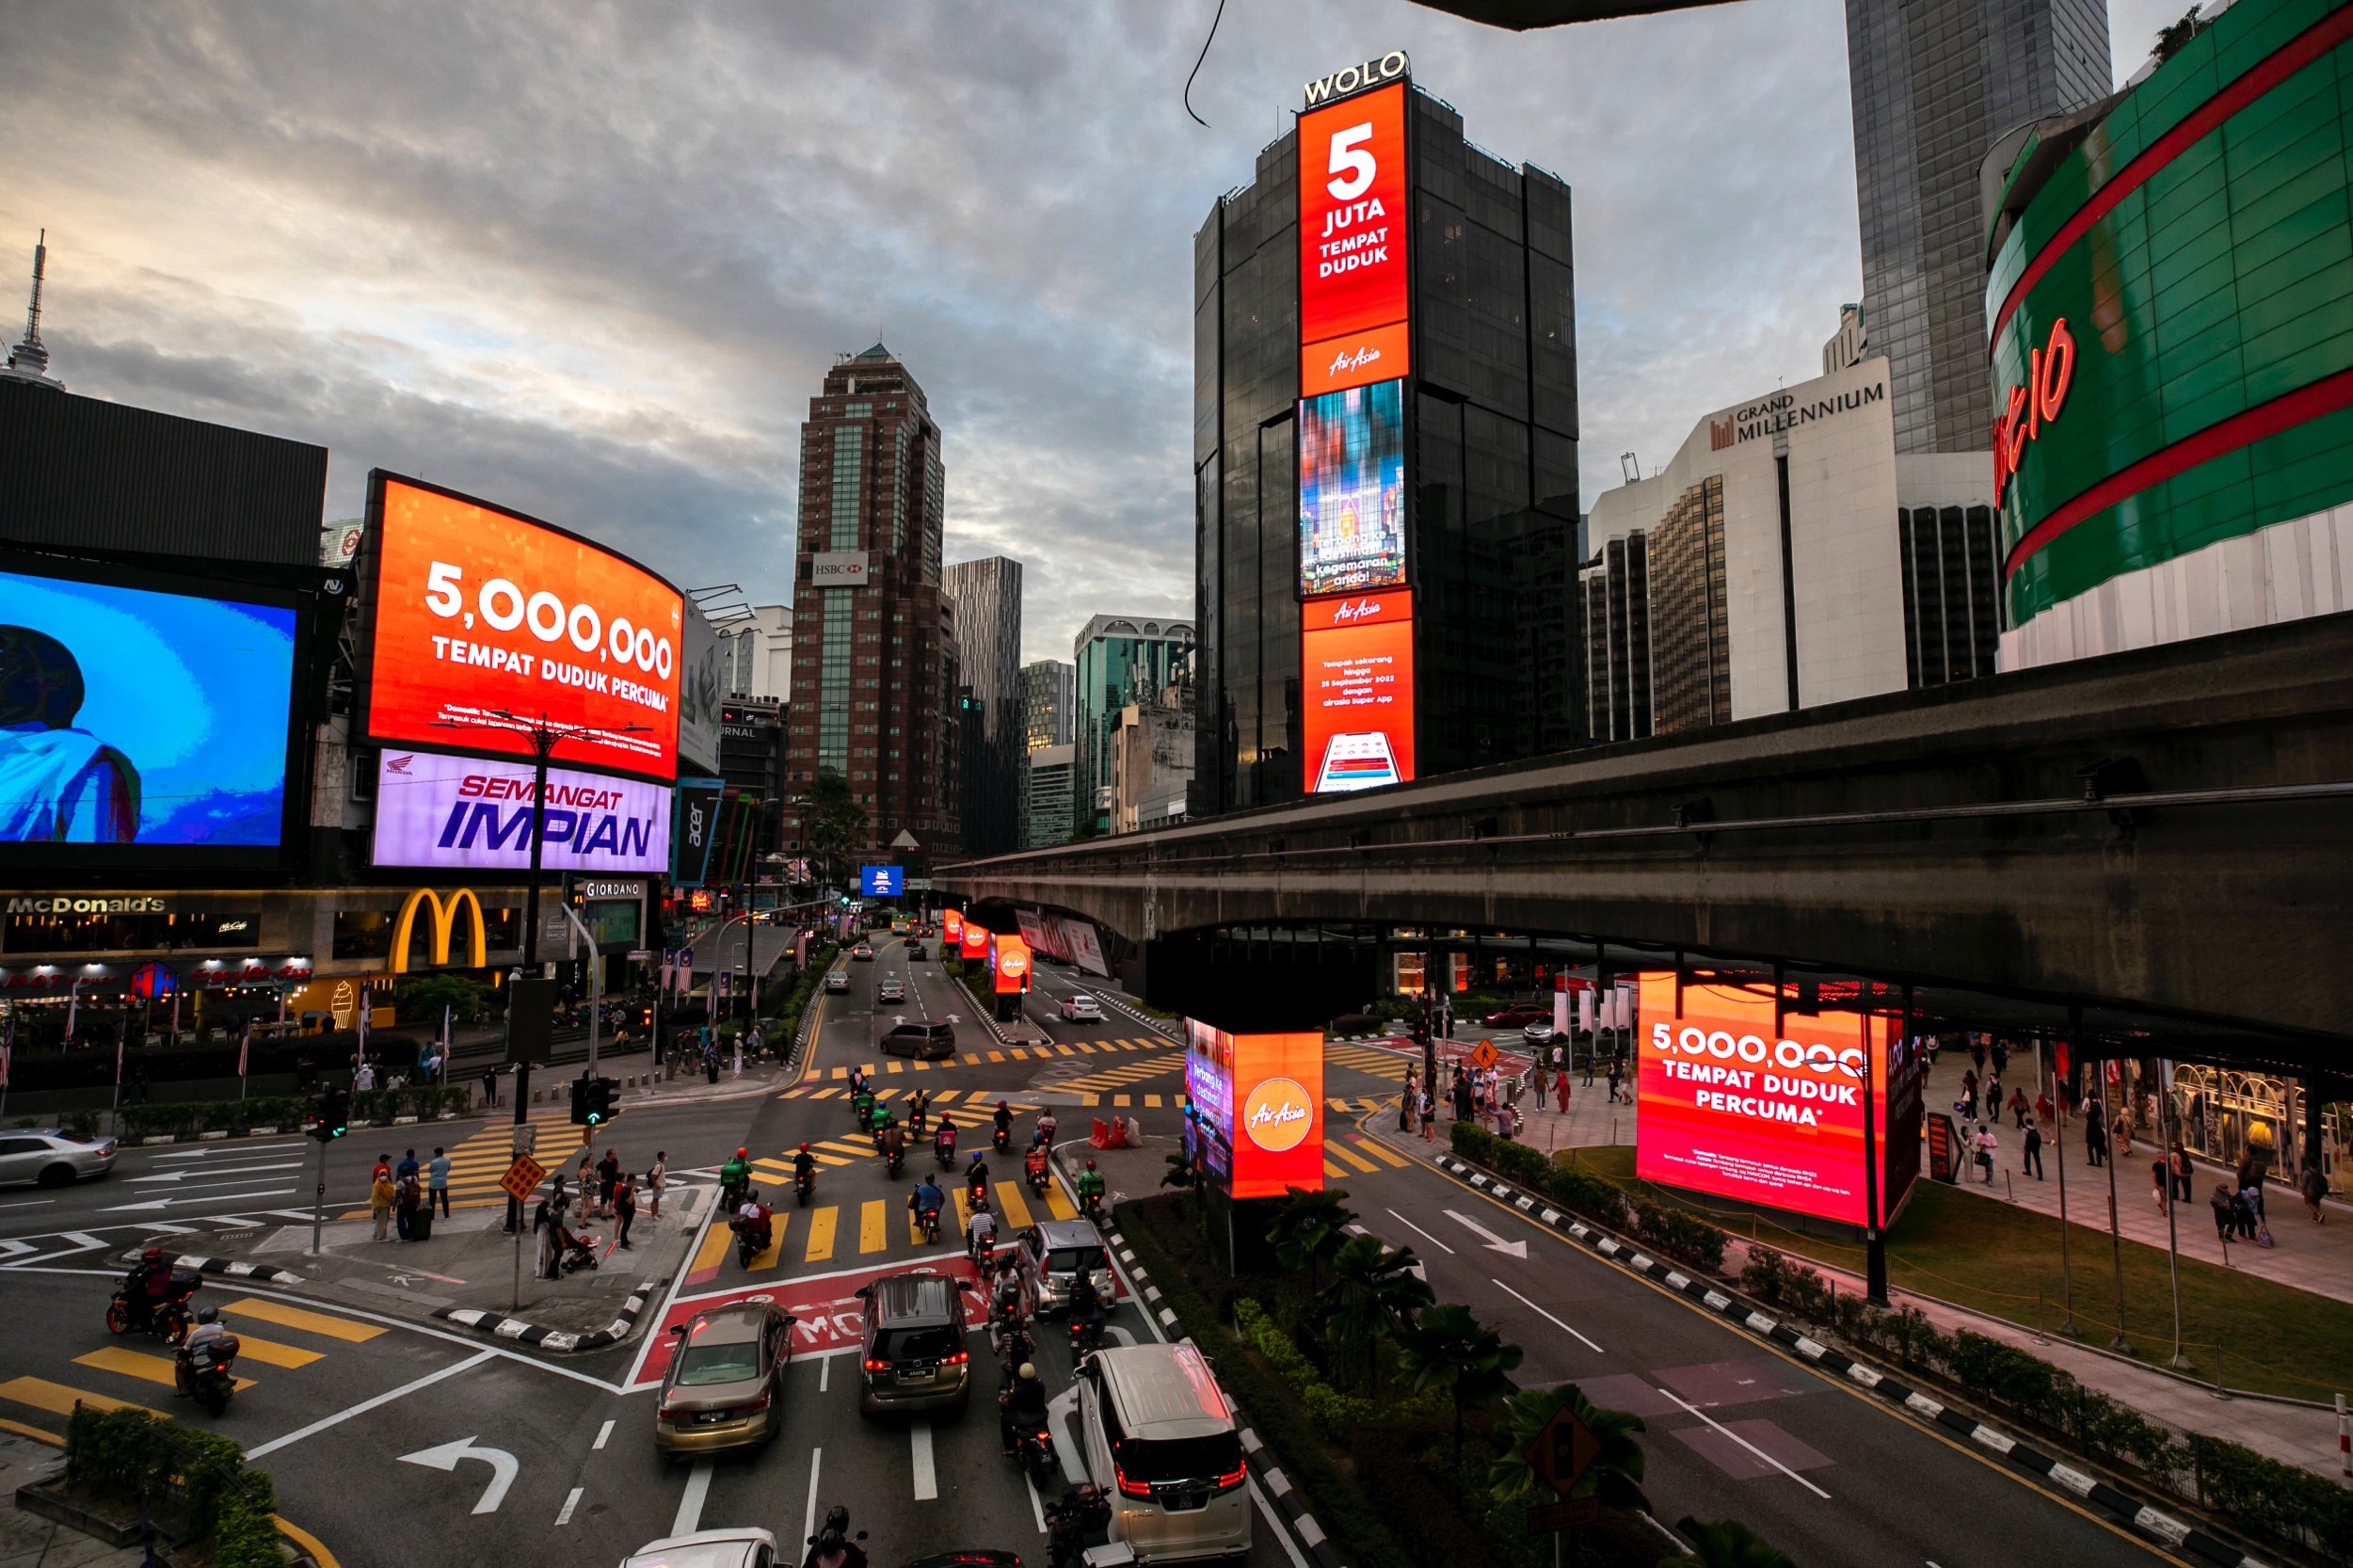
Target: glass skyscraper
x,y
987,598
1935,83
1120,660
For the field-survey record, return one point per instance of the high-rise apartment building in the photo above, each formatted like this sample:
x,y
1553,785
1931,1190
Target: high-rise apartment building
x,y
1120,660
1935,83
874,648
987,598
1384,457
1046,808
1048,691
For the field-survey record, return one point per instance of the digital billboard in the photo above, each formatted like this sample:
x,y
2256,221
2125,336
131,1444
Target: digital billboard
x,y
1012,966
1352,491
951,927
881,881
1356,661
697,819
1352,241
468,813
972,942
702,690
1261,1095
475,612
1741,1108
140,721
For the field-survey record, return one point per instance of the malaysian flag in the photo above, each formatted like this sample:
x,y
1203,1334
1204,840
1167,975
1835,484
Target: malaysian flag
x,y
245,1044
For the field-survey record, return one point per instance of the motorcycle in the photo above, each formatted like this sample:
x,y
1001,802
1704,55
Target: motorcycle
x,y
944,1150
1037,1173
751,1239
206,1371
835,1546
732,1194
1086,1334
1014,1347
894,1161
1080,1518
1034,1451
167,1318
1005,1140
803,1187
929,1220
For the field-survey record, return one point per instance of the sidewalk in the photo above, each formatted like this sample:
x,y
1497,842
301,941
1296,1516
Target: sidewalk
x,y
2294,1434
28,1540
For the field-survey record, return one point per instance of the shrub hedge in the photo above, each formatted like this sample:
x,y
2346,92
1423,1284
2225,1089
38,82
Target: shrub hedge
x,y
150,1459
425,1102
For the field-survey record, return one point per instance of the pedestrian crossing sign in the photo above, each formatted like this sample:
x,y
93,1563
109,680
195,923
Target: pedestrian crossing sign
x,y
1484,1054
522,1177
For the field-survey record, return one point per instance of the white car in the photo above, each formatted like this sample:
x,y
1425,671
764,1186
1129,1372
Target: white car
x,y
53,1157
891,990
1537,1034
1080,1008
744,1546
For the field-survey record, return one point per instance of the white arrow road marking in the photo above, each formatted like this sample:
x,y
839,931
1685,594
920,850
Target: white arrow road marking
x,y
365,1405
1746,1444
1538,1310
690,1505
184,1198
207,1172
1423,1234
502,1464
1492,1241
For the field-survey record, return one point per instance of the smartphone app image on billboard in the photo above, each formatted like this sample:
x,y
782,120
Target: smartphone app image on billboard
x,y
1356,661
135,717
1352,491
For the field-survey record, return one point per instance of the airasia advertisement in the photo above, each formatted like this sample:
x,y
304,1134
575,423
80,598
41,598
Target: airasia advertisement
x,y
951,927
1356,655
974,943
1739,1106
1352,242
481,621
465,813
1012,966
1262,1098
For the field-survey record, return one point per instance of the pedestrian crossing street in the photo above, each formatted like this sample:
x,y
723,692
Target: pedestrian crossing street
x,y
116,1375
477,1164
1351,1155
883,1065
1368,1058
1127,1075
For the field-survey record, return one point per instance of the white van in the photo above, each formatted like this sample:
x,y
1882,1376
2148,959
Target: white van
x,y
1159,1439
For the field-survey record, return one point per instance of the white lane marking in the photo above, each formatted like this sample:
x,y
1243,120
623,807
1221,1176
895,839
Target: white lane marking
x,y
919,1451
209,1173
505,1467
824,1373
238,1152
299,1433
1745,1443
1488,1238
563,1514
809,1519
1279,1525
30,1203
690,1504
1423,1234
1540,1311
604,1434
1037,1509
199,1198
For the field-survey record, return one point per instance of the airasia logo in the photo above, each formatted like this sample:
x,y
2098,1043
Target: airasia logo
x,y
1355,609
1277,1115
1346,360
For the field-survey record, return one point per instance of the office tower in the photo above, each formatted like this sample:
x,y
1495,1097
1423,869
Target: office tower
x,y
987,598
1045,810
1048,691
1120,660
873,655
1935,83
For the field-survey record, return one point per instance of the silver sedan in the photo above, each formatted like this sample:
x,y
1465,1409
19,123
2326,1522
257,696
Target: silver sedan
x,y
53,1157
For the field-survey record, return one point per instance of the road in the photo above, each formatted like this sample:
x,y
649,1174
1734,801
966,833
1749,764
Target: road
x,y
358,1416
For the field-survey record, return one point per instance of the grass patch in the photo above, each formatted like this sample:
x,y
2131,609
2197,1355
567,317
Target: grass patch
x,y
2003,1261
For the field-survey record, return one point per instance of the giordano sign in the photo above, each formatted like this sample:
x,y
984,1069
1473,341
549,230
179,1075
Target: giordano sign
x,y
2168,360
445,923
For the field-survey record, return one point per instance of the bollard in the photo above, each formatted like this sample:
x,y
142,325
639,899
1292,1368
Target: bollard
x,y
2344,1439
2039,1336
2217,1374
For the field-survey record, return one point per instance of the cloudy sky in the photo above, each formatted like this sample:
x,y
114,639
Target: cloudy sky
x,y
591,259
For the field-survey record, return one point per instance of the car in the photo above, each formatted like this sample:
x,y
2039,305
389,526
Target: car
x,y
862,953
1517,1015
725,1387
53,1157
914,1354
891,990
925,1041
917,952
1049,1256
836,980
744,1546
1079,1007
1156,1433
1538,1033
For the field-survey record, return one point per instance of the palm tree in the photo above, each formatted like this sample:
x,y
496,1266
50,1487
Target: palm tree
x,y
1727,1544
1448,1348
1374,1290
1615,1475
1309,1228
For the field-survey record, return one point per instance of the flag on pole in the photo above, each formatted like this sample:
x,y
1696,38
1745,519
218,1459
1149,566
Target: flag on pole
x,y
245,1046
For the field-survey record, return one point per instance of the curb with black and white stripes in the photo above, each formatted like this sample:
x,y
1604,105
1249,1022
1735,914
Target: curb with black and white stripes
x,y
504,1327
1255,1453
237,1269
2154,1524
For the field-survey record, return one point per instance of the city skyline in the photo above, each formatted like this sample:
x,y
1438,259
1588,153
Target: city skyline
x,y
423,279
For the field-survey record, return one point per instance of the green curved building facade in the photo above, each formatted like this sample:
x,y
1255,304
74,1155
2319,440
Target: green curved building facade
x,y
2170,317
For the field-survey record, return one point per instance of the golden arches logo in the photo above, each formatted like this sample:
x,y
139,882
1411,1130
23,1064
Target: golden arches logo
x,y
444,917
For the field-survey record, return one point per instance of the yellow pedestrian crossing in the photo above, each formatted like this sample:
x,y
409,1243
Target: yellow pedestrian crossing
x,y
57,1400
1128,1075
1363,1058
308,1323
1011,1208
138,1364
1340,1149
820,1224
873,1220
269,1352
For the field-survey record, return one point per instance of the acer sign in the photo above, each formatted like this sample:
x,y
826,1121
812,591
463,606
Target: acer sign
x,y
1352,240
1260,1100
1769,1111
466,813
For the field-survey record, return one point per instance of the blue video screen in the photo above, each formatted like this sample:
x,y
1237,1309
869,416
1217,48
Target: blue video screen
x,y
1352,491
135,717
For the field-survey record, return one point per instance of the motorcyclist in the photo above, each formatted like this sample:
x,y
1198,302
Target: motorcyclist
x,y
1033,1164
804,1166
1090,1187
944,1141
1047,1125
976,1174
1022,1407
1004,1125
207,1331
833,1547
862,1105
918,1103
981,1233
926,1199
736,1174
145,1286
894,1140
752,1222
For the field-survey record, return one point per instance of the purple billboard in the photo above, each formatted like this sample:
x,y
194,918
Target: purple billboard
x,y
468,813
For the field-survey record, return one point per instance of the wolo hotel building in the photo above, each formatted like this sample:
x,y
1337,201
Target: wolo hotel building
x,y
1384,455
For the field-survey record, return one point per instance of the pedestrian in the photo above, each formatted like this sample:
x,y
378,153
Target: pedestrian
x,y
2124,1131
364,1076
656,1179
2032,1159
584,1178
1985,1151
1992,1099
2157,1183
624,1201
1560,1091
2043,1106
2251,1166
2001,1059
2312,1186
608,1176
1614,1075
2179,1161
2225,1209
1461,1096
1406,1099
407,1197
1977,1050
710,1064
1429,1118
543,1224
2096,1142
383,1168
381,1197
407,1166
2018,1107
1969,1094
436,1182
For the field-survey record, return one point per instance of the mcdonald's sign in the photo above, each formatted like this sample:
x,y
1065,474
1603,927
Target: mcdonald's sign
x,y
445,917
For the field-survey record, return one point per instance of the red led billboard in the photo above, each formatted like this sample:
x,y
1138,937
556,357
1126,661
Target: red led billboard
x,y
1262,1098
1356,656
951,927
1737,1105
1352,242
1012,966
974,942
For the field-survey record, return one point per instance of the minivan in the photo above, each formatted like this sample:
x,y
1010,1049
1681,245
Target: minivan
x,y
1158,1438
924,1042
914,1356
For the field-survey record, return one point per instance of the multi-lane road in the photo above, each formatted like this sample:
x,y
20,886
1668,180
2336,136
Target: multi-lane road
x,y
395,1441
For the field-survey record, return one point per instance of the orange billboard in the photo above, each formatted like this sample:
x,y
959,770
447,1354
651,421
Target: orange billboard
x,y
951,927
481,621
1012,966
974,942
1261,1098
1352,221
1357,652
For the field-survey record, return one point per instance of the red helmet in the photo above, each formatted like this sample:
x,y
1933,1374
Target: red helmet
x,y
153,1255
804,1148
1000,1105
1090,1164
742,1154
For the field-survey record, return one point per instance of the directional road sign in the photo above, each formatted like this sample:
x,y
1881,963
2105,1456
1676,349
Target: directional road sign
x,y
1563,1449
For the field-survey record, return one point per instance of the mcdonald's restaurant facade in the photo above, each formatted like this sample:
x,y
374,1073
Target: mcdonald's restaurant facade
x,y
310,954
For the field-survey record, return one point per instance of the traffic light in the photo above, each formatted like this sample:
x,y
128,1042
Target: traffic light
x,y
331,1114
645,1018
594,1100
